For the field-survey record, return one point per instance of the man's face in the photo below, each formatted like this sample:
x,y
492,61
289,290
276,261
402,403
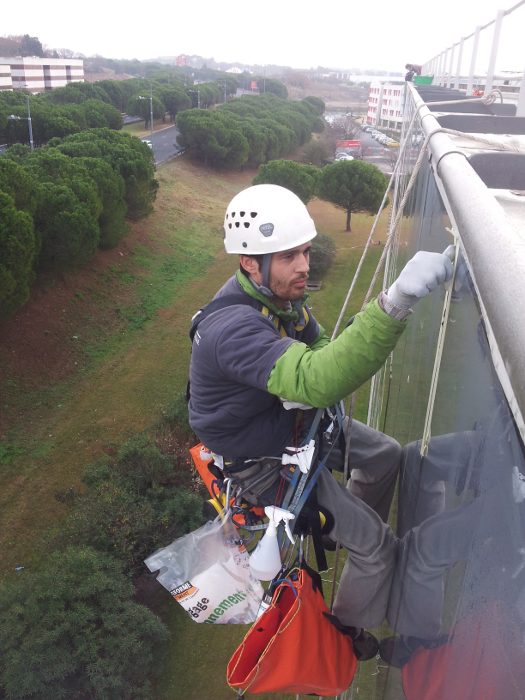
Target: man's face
x,y
289,272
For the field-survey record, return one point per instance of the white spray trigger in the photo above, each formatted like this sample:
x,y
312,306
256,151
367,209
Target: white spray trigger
x,y
276,515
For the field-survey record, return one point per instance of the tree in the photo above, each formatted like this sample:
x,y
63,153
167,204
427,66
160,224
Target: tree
x,y
67,228
316,152
18,249
128,156
254,129
353,185
317,104
322,254
297,177
175,99
115,93
31,46
214,137
72,630
17,182
271,85
257,140
111,188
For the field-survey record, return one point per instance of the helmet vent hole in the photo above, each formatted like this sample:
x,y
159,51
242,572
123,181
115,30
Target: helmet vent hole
x,y
233,215
244,244
246,224
229,225
237,224
253,214
242,213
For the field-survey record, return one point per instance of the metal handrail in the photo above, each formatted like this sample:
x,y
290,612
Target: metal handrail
x,y
441,65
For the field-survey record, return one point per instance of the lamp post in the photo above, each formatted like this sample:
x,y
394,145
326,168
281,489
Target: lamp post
x,y
29,120
15,117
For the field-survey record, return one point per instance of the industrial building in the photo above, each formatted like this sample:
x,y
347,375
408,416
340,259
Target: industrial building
x,y
39,74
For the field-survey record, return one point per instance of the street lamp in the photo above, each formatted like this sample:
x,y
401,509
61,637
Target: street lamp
x,y
14,117
150,98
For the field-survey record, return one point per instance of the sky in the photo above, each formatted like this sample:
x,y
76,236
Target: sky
x,y
297,33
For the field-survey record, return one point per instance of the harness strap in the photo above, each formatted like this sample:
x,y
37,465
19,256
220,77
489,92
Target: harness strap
x,y
220,303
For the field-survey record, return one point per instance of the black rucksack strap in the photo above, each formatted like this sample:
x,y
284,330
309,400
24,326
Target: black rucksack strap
x,y
216,305
220,303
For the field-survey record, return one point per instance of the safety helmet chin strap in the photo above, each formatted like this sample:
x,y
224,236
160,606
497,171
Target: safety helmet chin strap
x,y
265,270
264,287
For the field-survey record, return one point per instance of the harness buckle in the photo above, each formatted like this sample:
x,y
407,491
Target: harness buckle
x,y
302,456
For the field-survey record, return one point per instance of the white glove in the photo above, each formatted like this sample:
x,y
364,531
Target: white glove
x,y
422,274
289,405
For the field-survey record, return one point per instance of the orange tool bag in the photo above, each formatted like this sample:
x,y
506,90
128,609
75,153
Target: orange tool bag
x,y
294,646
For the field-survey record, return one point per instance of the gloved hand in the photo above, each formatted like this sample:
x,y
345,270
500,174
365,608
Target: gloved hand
x,y
422,274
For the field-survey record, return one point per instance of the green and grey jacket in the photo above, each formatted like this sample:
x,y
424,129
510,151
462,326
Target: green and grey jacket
x,y
246,358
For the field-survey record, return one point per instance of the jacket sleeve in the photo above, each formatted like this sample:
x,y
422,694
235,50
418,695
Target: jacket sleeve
x,y
321,340
321,376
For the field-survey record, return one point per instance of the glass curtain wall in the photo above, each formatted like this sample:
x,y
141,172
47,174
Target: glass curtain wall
x,y
456,620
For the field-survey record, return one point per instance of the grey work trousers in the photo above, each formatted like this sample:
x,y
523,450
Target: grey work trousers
x,y
374,460
427,551
364,587
360,512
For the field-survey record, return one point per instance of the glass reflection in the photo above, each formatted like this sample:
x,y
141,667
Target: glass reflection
x,y
457,601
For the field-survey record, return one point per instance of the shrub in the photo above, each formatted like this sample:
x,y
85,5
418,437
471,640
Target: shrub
x,y
134,504
71,630
322,254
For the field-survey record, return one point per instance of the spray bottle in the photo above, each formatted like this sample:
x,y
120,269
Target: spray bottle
x,y
265,560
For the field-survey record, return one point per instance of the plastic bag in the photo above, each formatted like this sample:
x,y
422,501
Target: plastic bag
x,y
208,573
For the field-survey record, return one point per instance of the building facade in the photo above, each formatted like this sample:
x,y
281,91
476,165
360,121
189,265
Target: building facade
x,y
453,394
385,104
39,74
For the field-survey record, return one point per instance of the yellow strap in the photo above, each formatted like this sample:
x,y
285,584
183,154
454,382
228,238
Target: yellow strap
x,y
274,319
306,318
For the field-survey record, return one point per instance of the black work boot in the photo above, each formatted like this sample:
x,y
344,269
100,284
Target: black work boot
x,y
365,645
397,651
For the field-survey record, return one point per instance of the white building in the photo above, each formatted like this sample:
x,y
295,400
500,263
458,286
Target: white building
x,y
385,104
6,82
39,74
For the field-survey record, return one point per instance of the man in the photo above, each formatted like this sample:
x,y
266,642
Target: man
x,y
262,361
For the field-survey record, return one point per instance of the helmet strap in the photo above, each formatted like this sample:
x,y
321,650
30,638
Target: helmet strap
x,y
265,270
264,287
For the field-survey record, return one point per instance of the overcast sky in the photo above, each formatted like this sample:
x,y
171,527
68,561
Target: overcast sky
x,y
297,33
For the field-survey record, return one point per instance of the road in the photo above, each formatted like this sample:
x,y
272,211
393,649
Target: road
x,y
165,145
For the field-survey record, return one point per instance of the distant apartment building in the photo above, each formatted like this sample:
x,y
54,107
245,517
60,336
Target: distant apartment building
x,y
39,74
6,82
385,104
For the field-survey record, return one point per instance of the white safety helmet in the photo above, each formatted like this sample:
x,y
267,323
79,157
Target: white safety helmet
x,y
266,219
